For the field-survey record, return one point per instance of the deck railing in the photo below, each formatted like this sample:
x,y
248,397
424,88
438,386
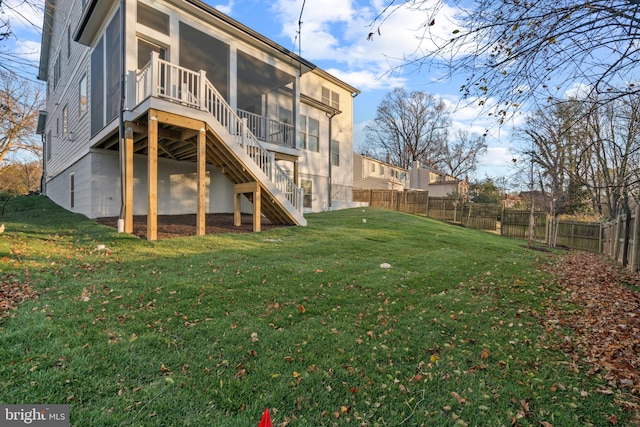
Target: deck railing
x,y
269,130
162,79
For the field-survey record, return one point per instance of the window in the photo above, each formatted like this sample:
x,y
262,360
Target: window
x,y
112,65
303,132
153,18
68,42
373,167
47,143
285,115
144,52
72,190
65,121
56,71
105,77
314,135
82,100
335,153
331,98
97,88
201,51
307,189
381,170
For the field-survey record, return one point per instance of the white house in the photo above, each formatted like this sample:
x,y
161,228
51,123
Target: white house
x,y
373,174
171,107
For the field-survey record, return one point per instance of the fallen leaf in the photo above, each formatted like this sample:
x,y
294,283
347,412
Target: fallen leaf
x,y
459,398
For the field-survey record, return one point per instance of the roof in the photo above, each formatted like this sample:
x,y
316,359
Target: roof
x,y
47,28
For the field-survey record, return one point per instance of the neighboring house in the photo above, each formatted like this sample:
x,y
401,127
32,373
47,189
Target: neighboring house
x,y
207,110
372,174
438,184
510,201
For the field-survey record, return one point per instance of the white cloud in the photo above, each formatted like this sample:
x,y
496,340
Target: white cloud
x,y
23,15
578,90
28,50
365,80
225,8
337,30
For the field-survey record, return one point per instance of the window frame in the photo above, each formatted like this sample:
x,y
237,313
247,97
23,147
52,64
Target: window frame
x,y
65,120
335,153
313,141
83,107
303,132
307,196
72,190
330,98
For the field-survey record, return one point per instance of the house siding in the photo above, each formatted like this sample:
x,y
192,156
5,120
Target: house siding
x,y
96,172
65,149
59,187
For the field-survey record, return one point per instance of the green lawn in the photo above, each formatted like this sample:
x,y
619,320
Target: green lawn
x,y
210,331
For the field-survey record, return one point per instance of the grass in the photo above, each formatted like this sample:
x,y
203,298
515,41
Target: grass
x,y
211,330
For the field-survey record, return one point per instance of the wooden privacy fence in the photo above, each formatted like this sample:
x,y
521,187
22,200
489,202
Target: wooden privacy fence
x,y
472,215
444,208
618,239
515,223
586,236
621,239
482,216
404,201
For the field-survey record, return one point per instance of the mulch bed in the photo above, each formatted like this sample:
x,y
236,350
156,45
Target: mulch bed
x,y
170,226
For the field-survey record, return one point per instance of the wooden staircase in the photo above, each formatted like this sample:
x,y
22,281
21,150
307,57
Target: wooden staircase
x,y
230,146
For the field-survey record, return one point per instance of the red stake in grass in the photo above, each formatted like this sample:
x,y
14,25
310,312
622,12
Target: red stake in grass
x,y
265,421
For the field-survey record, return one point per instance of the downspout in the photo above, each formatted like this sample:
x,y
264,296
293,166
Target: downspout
x,y
331,115
121,119
43,180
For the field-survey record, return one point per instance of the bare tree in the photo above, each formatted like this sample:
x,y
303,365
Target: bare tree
x,y
522,50
613,151
459,157
409,127
20,177
588,151
20,22
20,102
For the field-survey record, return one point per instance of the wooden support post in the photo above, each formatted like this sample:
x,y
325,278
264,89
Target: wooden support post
x,y
201,215
152,178
237,214
128,180
238,190
256,208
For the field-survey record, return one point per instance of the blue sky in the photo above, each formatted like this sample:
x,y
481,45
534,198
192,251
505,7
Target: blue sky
x,y
333,35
